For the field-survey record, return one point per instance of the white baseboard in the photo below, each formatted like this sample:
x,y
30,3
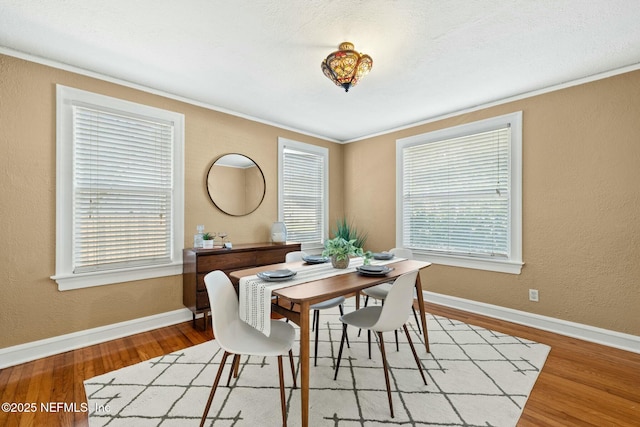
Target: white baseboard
x,y
22,353
606,337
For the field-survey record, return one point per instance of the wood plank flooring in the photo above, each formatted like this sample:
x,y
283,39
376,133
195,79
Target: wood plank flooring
x,y
581,384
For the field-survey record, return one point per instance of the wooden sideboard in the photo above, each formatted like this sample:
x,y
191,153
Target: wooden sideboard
x,y
198,262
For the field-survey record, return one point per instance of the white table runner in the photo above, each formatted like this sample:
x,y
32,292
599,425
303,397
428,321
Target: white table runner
x,y
255,293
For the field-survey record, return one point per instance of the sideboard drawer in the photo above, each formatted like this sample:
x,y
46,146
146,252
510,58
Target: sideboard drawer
x,y
202,300
200,286
273,256
226,261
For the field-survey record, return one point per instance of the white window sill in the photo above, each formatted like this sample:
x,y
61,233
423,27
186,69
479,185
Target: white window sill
x,y
501,266
68,282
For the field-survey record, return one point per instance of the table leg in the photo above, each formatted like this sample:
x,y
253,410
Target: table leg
x,y
423,316
357,300
304,362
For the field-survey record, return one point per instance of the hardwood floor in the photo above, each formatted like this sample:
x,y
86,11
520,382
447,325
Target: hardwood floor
x,y
581,384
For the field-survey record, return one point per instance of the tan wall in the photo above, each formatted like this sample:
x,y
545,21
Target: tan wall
x,y
31,307
581,203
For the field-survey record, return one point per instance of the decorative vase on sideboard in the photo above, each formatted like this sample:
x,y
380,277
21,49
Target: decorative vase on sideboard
x,y
278,232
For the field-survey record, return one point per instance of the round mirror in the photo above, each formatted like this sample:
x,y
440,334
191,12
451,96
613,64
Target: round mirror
x,y
235,184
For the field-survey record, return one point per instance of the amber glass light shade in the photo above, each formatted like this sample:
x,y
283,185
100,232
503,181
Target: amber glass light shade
x,y
345,67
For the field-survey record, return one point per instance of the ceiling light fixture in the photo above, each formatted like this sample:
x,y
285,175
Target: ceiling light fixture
x,y
345,67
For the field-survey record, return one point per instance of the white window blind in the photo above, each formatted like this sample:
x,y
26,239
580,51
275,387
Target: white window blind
x,y
122,190
119,190
459,195
303,193
456,195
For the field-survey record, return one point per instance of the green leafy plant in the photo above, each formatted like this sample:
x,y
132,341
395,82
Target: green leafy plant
x,y
348,231
207,236
341,248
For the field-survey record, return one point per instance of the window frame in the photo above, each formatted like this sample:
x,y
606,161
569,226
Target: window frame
x,y
513,264
66,279
318,151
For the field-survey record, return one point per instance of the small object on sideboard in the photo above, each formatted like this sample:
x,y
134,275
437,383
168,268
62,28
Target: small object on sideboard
x,y
197,238
278,232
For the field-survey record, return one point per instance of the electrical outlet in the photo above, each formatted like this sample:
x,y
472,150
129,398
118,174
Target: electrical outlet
x,y
533,295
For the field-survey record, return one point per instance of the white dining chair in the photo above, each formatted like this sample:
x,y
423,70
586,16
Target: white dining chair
x,y
324,305
380,292
239,338
388,317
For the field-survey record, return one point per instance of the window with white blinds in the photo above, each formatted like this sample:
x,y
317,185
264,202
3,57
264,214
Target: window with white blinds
x,y
303,192
120,191
460,197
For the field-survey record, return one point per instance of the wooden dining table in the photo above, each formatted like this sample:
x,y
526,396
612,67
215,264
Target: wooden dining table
x,y
303,295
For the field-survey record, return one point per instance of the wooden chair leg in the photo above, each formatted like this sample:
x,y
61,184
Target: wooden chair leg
x,y
415,316
426,332
386,372
415,355
290,308
344,333
366,301
283,404
293,369
213,389
342,314
313,322
234,368
316,318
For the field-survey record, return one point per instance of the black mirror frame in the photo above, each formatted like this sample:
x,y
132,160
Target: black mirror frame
x,y
264,185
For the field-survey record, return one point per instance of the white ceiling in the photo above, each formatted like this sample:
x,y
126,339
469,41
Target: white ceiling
x,y
261,59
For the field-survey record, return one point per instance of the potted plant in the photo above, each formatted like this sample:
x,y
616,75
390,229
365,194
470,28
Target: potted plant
x,y
207,241
340,250
348,231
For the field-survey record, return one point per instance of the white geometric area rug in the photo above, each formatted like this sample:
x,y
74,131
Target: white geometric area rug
x,y
476,377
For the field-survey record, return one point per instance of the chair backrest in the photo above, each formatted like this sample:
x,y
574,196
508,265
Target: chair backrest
x,y
224,306
402,253
397,306
294,256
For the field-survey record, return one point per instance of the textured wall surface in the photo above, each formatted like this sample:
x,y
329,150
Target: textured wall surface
x,y
581,202
31,307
